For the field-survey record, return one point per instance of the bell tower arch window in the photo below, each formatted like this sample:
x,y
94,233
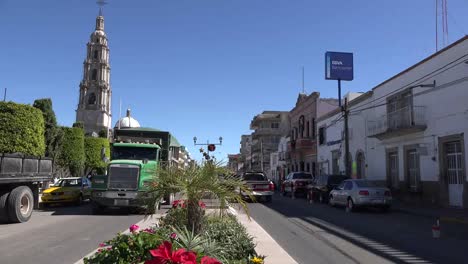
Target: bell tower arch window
x,y
96,54
92,99
94,75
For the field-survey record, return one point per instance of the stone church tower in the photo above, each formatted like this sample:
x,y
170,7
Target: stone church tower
x,y
94,105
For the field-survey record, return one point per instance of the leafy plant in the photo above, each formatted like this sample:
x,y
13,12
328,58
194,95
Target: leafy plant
x,y
194,183
22,129
129,248
230,235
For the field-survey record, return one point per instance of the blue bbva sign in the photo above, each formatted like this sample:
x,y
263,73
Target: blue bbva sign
x,y
339,66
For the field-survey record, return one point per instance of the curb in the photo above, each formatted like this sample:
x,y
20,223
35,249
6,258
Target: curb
x,y
428,215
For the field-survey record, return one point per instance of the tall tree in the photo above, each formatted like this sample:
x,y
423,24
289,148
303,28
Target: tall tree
x,y
51,131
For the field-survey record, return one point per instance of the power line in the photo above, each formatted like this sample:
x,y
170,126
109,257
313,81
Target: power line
x,y
420,80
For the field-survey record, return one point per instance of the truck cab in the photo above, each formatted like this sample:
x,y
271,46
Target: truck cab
x,y
132,165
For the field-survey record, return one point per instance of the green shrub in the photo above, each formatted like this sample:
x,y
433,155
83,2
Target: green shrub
x,y
22,129
50,122
72,151
230,235
92,148
103,133
78,124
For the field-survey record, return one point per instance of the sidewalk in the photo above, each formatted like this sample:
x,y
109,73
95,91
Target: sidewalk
x,y
265,244
453,215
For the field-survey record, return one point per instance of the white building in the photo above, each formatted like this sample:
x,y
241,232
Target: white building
x,y
412,130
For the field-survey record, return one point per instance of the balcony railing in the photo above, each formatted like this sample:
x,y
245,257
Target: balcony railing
x,y
400,122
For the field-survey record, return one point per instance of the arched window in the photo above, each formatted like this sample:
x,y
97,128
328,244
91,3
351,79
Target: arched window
x,y
301,126
96,54
94,75
92,99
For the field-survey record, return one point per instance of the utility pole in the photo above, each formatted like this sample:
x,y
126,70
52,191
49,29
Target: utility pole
x,y
346,137
4,95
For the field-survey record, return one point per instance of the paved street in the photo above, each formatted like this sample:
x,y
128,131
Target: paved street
x,y
317,233
60,235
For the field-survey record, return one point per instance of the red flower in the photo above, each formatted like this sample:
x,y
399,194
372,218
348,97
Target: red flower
x,y
209,260
164,255
202,204
178,203
173,236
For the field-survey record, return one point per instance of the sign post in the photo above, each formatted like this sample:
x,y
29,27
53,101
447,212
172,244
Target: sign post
x,y
339,66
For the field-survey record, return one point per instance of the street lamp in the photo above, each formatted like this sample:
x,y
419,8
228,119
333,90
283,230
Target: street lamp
x,y
210,146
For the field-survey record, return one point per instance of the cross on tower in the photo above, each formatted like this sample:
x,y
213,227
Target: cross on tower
x,y
101,3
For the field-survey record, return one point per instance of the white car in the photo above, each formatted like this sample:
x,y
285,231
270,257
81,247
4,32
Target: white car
x,y
360,193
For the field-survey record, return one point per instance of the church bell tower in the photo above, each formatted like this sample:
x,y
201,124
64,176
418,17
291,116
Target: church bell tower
x,y
94,103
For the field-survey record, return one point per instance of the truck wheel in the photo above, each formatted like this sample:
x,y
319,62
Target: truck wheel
x,y
20,204
3,207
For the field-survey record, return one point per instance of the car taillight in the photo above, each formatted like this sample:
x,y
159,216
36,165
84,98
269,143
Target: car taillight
x,y
388,193
271,186
365,193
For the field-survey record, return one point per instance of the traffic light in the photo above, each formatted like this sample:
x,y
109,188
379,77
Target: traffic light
x,y
211,147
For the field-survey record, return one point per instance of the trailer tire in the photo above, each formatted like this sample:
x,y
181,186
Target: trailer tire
x,y
20,204
3,207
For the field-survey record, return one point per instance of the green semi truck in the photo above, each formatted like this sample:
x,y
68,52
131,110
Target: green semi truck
x,y
136,153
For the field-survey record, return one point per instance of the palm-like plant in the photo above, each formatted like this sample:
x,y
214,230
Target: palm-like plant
x,y
193,184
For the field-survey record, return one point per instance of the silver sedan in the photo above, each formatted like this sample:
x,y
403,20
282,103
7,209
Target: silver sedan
x,y
360,193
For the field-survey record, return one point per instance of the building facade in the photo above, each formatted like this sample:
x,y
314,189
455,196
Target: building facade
x,y
94,102
268,127
410,131
234,163
302,147
246,153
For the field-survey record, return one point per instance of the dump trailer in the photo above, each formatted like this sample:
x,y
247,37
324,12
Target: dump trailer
x,y
136,153
21,177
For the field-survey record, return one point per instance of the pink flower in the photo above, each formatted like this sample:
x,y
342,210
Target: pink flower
x,y
99,250
109,248
209,260
202,204
177,203
134,228
102,245
149,230
173,236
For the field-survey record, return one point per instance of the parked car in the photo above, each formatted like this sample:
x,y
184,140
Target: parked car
x,y
261,187
296,183
360,193
67,190
319,190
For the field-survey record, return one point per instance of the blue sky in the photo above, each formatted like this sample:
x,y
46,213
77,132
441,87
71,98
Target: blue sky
x,y
205,68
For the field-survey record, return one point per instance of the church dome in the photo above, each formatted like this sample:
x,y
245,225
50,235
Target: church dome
x,y
127,122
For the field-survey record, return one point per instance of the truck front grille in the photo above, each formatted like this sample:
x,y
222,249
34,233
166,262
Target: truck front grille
x,y
122,176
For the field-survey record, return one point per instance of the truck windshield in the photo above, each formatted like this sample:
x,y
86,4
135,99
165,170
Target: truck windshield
x,y
134,153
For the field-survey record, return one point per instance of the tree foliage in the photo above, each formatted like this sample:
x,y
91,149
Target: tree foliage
x,y
71,153
93,159
51,133
22,129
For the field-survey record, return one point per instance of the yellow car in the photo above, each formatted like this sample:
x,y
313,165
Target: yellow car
x,y
67,190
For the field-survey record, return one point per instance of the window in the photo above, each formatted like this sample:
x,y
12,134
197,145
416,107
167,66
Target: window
x,y
307,130
313,128
412,169
254,177
348,185
308,167
365,184
302,176
94,75
321,135
274,125
96,53
92,99
301,125
341,186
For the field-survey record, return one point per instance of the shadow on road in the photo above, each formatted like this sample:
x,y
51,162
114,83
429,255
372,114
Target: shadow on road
x,y
397,237
85,209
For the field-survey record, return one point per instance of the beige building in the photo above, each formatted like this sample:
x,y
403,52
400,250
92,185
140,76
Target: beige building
x,y
268,127
94,102
246,153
